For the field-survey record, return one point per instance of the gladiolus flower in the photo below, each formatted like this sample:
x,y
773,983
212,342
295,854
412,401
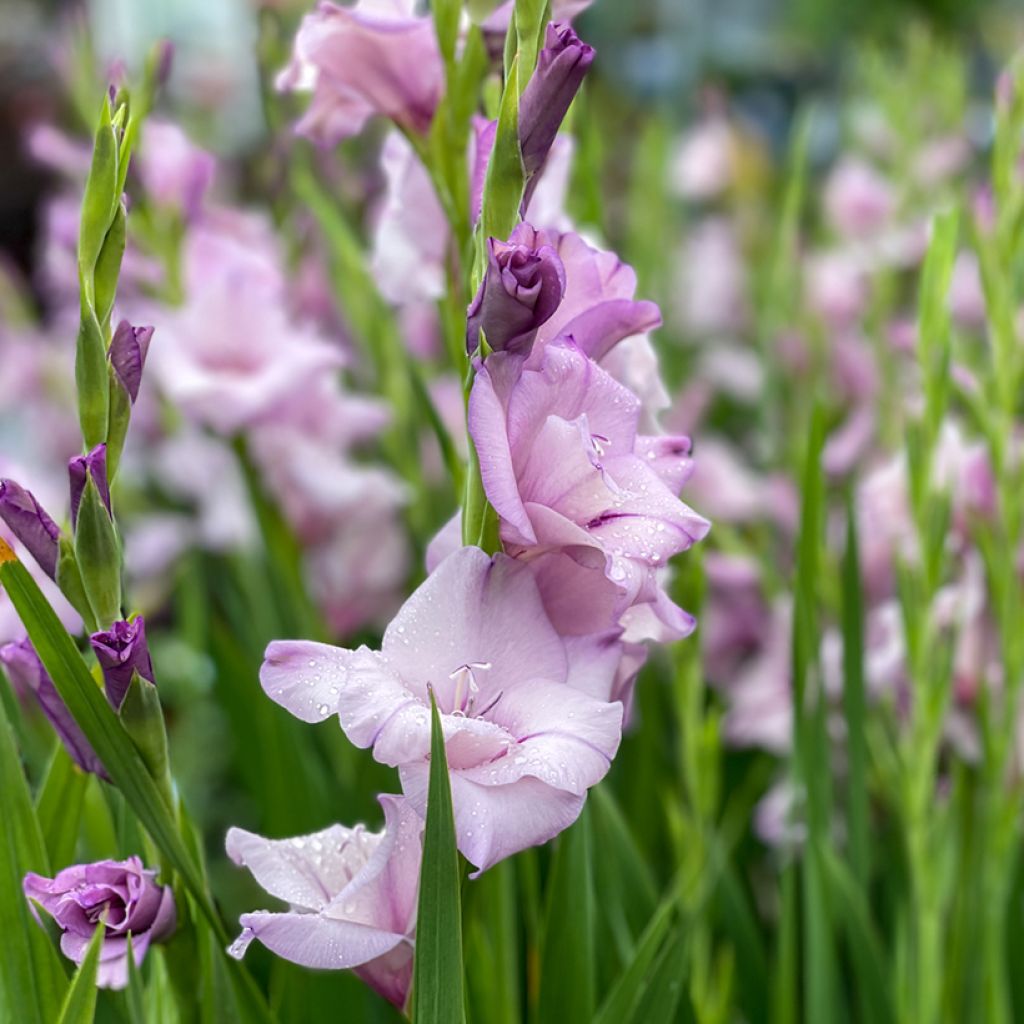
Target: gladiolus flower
x,y
374,58
523,743
122,651
128,349
122,897
351,894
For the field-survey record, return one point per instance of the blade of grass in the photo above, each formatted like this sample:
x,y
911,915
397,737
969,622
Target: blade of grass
x,y
80,1003
437,970
59,805
32,982
567,980
854,702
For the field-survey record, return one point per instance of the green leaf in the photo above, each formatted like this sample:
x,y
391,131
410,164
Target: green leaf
x,y
528,28
80,1002
628,990
854,701
91,380
437,970
665,988
59,805
503,186
567,980
94,716
446,26
32,982
869,960
99,556
99,201
108,265
135,993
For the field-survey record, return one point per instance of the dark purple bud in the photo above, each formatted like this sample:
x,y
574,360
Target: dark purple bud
x,y
521,290
128,350
89,467
121,651
561,68
28,521
29,677
164,61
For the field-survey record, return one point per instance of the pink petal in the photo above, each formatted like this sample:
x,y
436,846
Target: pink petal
x,y
312,940
305,678
306,871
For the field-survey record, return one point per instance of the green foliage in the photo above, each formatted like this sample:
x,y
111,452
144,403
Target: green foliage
x,y
437,975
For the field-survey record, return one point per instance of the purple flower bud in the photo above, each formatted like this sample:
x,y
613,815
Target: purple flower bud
x,y
79,896
561,68
521,290
128,350
29,522
121,651
164,61
28,676
89,467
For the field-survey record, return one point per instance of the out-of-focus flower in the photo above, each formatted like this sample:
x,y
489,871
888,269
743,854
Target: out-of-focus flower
x,y
174,172
565,469
521,290
122,651
377,57
351,895
703,165
858,200
523,745
411,235
941,159
122,897
31,524
712,292
836,288
231,357
561,67
128,349
966,296
724,486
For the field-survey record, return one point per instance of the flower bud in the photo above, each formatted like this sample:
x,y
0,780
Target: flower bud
x,y
28,676
561,68
122,896
96,546
83,469
28,521
128,350
121,651
521,289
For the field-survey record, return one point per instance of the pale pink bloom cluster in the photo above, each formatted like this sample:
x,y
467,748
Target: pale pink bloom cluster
x,y
530,653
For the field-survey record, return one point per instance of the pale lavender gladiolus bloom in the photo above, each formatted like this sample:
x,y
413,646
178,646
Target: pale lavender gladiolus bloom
x,y
29,522
561,67
351,894
126,892
377,57
121,651
28,676
521,290
598,307
565,468
523,744
231,357
128,350
82,468
175,173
